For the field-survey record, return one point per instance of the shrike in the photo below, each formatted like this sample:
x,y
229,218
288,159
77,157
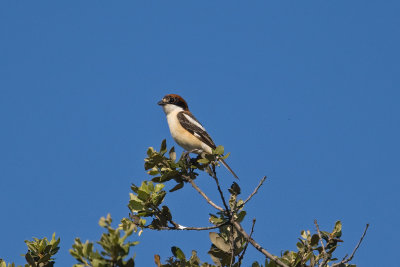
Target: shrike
x,y
186,130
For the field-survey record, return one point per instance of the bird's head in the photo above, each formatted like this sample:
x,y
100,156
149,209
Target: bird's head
x,y
172,102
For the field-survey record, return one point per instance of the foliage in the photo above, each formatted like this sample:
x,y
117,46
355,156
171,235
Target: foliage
x,y
310,251
229,241
179,260
40,252
115,249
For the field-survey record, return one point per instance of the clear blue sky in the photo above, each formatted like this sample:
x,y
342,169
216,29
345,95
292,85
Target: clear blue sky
x,y
305,92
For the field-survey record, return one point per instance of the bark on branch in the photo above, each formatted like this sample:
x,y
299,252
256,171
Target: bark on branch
x,y
258,246
354,251
203,194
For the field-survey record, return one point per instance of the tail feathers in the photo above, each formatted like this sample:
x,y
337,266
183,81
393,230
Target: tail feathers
x,y
229,168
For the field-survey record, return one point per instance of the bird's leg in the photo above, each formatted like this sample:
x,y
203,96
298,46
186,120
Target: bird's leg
x,y
186,155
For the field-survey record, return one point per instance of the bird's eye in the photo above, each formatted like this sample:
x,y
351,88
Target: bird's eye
x,y
171,100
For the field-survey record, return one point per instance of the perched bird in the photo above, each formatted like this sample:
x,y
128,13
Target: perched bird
x,y
186,130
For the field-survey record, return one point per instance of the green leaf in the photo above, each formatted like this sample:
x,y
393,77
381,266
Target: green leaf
x,y
325,235
203,161
172,154
163,148
159,198
142,195
255,264
338,229
158,187
166,212
226,155
134,188
149,165
150,151
194,259
219,150
153,171
338,226
30,259
314,240
215,220
241,216
303,234
178,253
156,179
47,249
99,263
219,242
235,189
45,258
177,187
169,175
130,263
135,206
219,257
270,264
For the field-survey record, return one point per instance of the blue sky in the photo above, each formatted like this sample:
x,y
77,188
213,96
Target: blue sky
x,y
305,92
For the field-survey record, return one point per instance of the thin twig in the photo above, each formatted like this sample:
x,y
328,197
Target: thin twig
x,y
254,192
177,226
355,249
232,241
203,195
221,194
258,246
320,237
247,243
325,256
183,228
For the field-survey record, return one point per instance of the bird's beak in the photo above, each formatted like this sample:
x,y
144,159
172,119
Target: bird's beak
x,y
161,103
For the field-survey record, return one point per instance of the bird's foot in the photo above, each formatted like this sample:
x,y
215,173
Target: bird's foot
x,y
186,156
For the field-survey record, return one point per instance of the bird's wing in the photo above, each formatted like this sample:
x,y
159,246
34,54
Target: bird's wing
x,y
191,124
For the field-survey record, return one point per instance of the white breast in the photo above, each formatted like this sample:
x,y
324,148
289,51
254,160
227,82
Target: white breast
x,y
181,136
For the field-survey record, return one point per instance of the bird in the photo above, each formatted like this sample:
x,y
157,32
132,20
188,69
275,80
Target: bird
x,y
186,130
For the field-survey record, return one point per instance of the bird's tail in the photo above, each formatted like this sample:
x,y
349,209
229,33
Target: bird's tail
x,y
229,168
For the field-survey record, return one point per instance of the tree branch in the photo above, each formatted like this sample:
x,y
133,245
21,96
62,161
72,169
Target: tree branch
x,y
325,256
254,192
247,243
181,227
232,243
227,209
355,249
258,246
203,194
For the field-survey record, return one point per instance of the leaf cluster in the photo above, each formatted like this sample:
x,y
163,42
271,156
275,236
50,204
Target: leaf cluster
x,y
311,250
115,248
228,239
40,252
179,260
165,168
228,245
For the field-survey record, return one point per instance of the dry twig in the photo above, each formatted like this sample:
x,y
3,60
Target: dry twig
x,y
254,192
355,249
188,228
232,243
203,194
325,256
227,209
247,243
258,246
